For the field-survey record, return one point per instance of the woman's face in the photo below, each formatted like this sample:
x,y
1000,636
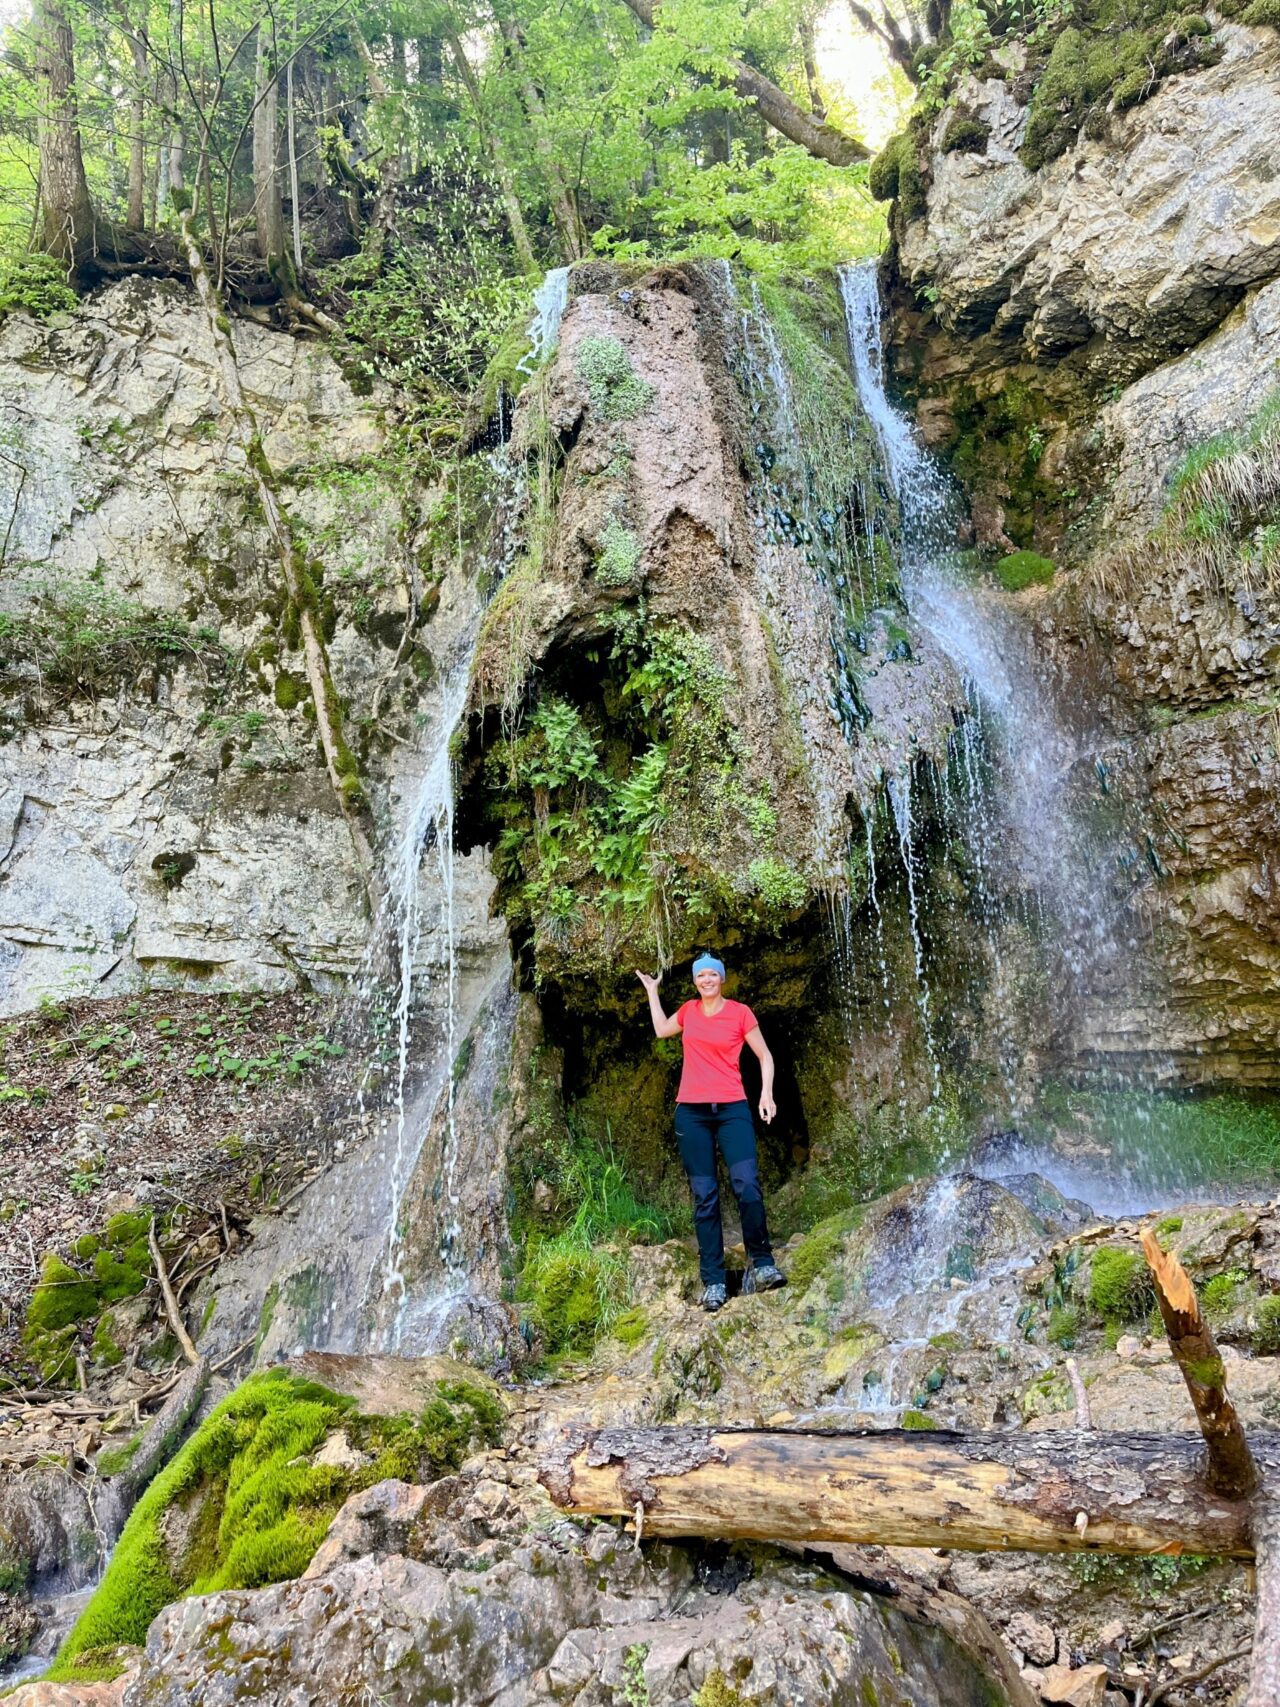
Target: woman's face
x,y
708,985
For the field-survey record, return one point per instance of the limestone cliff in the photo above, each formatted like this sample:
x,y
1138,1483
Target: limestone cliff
x,y
1092,341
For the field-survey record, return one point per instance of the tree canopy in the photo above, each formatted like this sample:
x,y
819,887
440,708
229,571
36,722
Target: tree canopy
x,y
452,148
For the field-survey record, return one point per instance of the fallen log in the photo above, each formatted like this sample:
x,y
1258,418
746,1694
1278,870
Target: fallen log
x,y
1044,1492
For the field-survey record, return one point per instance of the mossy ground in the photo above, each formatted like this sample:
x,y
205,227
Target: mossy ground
x,y
242,1504
114,1264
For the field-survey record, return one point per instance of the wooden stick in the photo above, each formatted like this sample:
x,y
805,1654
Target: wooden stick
x,y
1083,1419
170,1302
1137,1493
1232,1470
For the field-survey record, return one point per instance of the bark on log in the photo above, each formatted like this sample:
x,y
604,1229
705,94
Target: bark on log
x,y
1232,1470
1137,1493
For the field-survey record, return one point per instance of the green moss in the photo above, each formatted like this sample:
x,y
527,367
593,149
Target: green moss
x,y
15,1572
1266,1332
572,1293
1206,1371
290,691
717,1691
1023,569
113,1460
914,1419
631,1327
1263,12
966,135
1064,1326
617,392
1120,1288
1225,1293
819,1250
619,554
780,887
256,1506
895,175
1168,1224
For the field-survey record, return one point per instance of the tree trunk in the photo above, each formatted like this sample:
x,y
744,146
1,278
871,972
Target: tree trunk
x,y
1232,1470
816,106
501,165
268,212
820,139
136,216
1051,1492
1264,1683
68,219
564,210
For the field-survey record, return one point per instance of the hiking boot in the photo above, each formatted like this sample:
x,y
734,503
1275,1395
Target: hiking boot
x,y
713,1297
767,1277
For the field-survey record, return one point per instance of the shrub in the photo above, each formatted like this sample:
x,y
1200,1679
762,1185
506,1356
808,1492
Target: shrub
x,y
35,285
1024,569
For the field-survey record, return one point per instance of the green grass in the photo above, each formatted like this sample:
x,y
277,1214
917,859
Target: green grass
x,y
1022,569
573,1284
261,1507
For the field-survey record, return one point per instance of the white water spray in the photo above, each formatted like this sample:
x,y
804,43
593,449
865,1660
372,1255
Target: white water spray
x,y
549,303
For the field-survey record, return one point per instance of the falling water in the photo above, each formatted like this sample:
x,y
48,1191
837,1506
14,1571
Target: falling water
x,y
549,303
1042,847
899,789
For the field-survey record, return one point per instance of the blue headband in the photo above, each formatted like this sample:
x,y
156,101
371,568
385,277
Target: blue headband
x,y
708,963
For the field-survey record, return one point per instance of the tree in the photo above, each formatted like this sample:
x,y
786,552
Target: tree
x,y
902,28
777,109
68,222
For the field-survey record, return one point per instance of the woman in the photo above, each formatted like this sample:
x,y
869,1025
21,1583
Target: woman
x,y
711,1108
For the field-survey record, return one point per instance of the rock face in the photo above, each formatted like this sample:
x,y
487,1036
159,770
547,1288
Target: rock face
x,y
1140,241
485,1613
1093,324
162,816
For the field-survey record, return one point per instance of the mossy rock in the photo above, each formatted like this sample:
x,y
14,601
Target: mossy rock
x,y
965,135
244,1503
66,1299
1120,1287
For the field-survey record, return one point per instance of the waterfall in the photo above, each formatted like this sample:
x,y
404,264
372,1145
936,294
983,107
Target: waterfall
x,y
1027,823
549,303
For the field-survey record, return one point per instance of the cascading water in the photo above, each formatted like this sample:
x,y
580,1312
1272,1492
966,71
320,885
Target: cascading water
x,y
1046,852
549,303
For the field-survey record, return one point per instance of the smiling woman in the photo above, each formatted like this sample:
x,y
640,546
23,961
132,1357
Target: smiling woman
x,y
712,1112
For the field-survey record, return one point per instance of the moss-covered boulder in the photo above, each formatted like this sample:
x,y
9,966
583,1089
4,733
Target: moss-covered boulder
x,y
250,1496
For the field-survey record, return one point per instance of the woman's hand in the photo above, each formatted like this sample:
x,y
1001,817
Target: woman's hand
x,y
650,984
768,1108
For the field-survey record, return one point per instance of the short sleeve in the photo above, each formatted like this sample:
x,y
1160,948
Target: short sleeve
x,y
749,1020
681,1011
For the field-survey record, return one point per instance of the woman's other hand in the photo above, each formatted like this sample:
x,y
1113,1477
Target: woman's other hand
x,y
650,984
768,1108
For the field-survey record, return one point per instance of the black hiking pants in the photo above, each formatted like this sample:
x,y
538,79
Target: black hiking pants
x,y
700,1126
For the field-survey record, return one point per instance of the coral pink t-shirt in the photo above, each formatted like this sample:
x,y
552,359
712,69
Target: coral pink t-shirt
x,y
713,1052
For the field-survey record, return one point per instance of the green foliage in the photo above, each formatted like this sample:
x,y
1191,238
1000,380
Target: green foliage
x,y
573,1282
1262,13
631,1327
257,1506
1120,1288
617,391
35,285
78,642
779,887
1144,1578
1222,502
1024,569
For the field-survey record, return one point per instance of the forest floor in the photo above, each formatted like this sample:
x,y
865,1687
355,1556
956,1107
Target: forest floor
x,y
206,1104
